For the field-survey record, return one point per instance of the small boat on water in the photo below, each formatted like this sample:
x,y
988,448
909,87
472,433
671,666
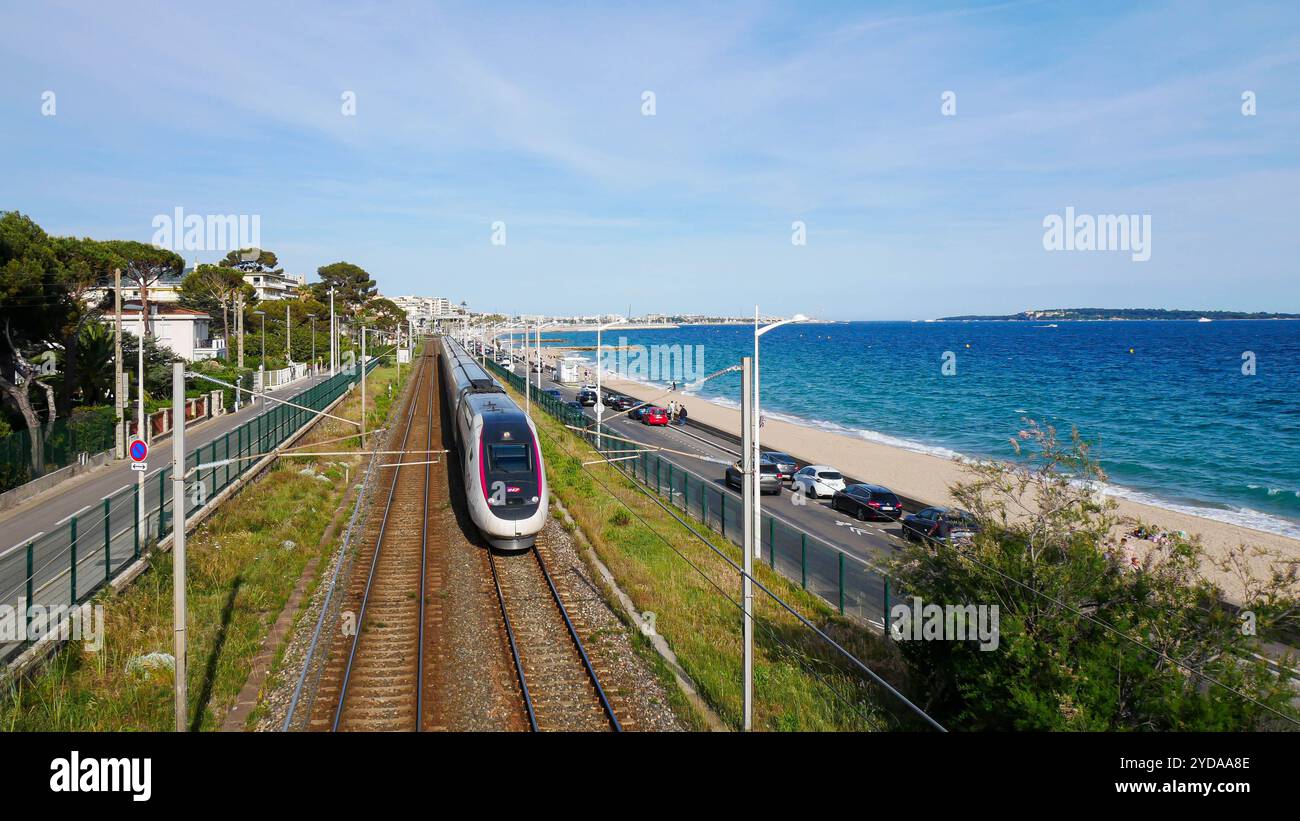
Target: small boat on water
x,y
1205,319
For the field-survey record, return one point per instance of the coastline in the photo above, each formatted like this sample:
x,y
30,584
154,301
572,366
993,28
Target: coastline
x,y
927,477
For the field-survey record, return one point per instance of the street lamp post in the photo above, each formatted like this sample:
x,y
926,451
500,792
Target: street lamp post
x,y
333,336
753,504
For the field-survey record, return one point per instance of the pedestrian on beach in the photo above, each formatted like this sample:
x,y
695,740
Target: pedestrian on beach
x,y
681,415
672,409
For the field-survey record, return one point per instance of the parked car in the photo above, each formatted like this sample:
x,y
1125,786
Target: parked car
x,y
784,462
637,412
652,415
506,363
587,398
948,524
816,481
622,403
868,502
769,478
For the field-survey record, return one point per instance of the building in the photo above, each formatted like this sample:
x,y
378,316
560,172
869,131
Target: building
x,y
184,331
425,310
276,284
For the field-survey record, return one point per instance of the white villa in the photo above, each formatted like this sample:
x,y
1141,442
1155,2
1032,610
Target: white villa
x,y
185,331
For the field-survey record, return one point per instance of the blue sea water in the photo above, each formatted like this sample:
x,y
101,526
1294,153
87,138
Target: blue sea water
x,y
1176,421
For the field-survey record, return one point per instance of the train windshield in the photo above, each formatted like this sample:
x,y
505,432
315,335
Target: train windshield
x,y
510,458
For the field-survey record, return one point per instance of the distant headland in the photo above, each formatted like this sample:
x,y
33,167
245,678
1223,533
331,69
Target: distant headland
x,y
1101,314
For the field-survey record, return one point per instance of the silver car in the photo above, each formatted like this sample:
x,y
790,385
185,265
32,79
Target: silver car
x,y
769,478
783,461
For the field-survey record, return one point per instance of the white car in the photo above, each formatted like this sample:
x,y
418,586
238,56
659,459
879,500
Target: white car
x,y
818,481
506,363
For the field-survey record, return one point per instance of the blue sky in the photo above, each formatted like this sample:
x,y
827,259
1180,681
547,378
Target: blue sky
x,y
766,113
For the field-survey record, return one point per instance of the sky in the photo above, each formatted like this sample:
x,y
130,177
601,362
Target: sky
x,y
533,117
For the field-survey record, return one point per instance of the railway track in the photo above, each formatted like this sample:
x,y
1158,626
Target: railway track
x,y
380,684
558,684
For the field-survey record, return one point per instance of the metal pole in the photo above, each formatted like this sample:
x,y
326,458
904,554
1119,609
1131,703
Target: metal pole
x,y
750,473
313,341
119,399
528,379
757,452
600,397
288,335
363,386
333,334
178,537
140,431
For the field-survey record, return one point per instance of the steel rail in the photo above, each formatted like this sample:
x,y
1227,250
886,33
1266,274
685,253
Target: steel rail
x,y
374,561
577,642
514,647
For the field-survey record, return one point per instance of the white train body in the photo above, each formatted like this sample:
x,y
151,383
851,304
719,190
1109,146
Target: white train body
x,y
501,462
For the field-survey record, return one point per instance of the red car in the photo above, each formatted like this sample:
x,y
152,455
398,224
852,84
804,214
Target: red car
x,y
654,416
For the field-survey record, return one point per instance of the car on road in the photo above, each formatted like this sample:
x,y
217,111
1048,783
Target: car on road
x,y
946,524
769,478
554,393
587,397
652,415
868,502
784,462
619,402
817,481
505,362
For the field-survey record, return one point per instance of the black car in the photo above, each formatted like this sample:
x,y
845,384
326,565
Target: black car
x,y
947,524
636,412
622,403
784,462
587,398
769,477
555,393
868,502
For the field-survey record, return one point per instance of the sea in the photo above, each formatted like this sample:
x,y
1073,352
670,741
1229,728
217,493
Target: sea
x,y
1201,417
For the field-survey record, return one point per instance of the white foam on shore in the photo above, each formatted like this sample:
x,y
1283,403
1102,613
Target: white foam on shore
x,y
1239,516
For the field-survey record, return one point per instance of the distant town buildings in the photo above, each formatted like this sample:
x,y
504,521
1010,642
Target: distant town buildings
x,y
424,311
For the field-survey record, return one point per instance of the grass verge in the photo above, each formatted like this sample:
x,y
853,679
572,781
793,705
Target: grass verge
x,y
243,563
800,682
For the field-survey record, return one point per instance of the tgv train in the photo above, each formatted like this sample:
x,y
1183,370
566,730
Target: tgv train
x,y
501,463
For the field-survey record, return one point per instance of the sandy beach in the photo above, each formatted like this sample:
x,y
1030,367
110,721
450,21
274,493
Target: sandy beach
x,y
927,478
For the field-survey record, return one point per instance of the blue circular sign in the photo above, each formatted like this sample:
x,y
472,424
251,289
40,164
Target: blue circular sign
x,y
139,450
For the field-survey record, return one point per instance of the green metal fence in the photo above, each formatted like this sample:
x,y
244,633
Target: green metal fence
x,y
59,570
63,441
855,587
